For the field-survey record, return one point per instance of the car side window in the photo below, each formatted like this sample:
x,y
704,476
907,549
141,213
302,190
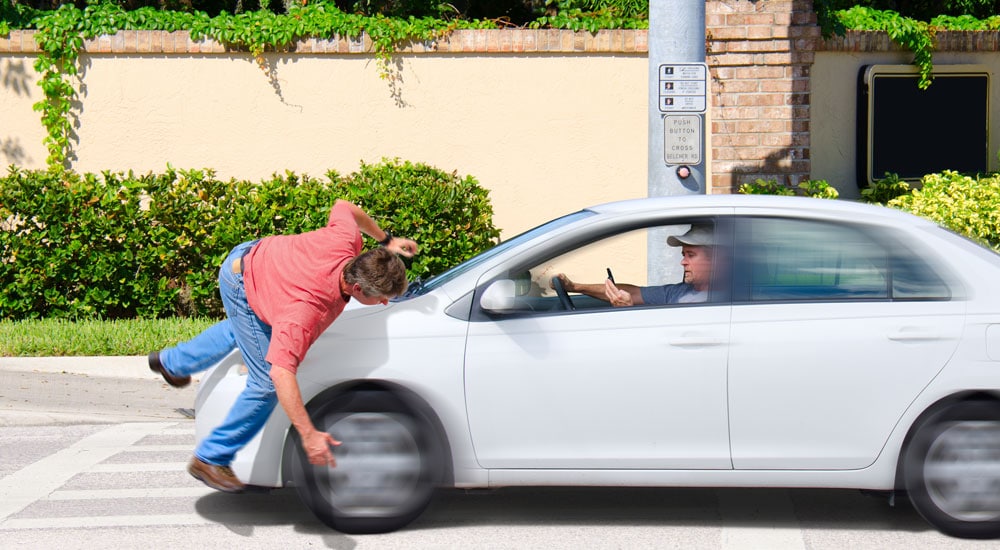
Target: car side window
x,y
529,289
914,279
626,254
682,262
807,260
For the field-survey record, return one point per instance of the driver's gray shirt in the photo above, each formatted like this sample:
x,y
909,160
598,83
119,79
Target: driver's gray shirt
x,y
677,293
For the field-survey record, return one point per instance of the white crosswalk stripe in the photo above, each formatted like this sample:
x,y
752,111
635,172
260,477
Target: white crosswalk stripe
x,y
36,481
76,522
23,488
51,485
153,492
158,448
75,490
144,467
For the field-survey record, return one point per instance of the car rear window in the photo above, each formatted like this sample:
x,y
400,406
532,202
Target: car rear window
x,y
809,260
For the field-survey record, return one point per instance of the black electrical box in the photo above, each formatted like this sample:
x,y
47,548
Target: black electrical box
x,y
912,132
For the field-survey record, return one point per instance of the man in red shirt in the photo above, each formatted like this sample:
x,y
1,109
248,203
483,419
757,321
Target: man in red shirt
x,y
280,293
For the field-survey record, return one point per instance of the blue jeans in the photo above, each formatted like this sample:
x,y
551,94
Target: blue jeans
x,y
242,328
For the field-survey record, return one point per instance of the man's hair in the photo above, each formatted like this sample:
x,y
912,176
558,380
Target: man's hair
x,y
378,271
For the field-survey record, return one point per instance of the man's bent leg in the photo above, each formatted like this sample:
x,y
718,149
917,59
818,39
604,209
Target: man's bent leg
x,y
178,363
200,352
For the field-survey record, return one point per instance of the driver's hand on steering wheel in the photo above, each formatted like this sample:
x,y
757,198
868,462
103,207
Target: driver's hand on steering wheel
x,y
567,284
617,296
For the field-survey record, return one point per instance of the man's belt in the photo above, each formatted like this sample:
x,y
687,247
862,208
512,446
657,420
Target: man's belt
x,y
238,266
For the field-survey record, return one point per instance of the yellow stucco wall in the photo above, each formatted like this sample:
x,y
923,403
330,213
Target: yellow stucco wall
x,y
546,133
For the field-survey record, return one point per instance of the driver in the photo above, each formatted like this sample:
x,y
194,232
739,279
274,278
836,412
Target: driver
x,y
696,258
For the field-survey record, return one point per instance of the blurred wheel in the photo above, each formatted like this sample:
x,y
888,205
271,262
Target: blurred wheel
x,y
388,464
951,470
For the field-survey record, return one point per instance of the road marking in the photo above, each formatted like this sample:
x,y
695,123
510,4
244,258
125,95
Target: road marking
x,y
106,521
152,492
159,448
139,467
152,520
178,431
36,481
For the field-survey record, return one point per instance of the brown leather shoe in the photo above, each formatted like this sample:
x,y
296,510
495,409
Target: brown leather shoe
x,y
156,366
220,478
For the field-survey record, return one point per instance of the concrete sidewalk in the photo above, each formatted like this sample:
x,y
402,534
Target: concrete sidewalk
x,y
49,391
104,367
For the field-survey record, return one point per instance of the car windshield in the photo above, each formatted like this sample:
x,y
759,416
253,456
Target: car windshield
x,y
419,287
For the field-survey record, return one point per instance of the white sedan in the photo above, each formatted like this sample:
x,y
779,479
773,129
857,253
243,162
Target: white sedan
x,y
839,345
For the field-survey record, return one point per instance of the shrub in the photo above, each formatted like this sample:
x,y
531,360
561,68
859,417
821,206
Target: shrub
x,y
118,245
966,205
765,187
810,188
67,247
450,217
884,190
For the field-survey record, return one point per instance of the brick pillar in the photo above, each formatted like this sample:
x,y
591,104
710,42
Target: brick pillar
x,y
759,54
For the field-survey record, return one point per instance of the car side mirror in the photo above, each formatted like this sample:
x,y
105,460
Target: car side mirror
x,y
499,296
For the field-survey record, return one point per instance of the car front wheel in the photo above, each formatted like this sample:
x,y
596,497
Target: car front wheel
x,y
951,470
388,464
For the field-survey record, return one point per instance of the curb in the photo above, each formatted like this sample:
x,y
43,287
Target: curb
x,y
129,366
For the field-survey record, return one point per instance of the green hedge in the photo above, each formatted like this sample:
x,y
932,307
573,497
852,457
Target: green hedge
x,y
818,189
966,205
118,246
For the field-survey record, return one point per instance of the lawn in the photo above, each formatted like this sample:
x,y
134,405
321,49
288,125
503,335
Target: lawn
x,y
56,337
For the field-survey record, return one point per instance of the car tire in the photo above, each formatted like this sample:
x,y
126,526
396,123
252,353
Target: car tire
x,y
951,469
388,464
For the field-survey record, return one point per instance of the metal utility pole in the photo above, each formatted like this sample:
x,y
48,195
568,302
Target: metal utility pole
x,y
678,100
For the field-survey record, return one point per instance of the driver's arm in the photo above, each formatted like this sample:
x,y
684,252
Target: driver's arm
x,y
599,290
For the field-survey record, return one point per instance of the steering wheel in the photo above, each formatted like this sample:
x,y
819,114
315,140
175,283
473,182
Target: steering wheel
x,y
564,299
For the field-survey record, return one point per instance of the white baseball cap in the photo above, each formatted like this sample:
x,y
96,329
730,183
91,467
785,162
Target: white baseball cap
x,y
698,235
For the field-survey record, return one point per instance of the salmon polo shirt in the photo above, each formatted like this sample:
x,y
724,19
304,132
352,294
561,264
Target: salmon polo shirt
x,y
292,284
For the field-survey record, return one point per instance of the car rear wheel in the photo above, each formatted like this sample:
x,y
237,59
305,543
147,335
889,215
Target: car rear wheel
x,y
388,464
951,470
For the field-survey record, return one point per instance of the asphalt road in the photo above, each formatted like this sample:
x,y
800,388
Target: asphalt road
x,y
98,462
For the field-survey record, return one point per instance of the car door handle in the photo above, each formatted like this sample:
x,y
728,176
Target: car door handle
x,y
913,334
696,341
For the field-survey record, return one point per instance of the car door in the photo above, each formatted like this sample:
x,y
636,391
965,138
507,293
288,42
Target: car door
x,y
598,387
836,329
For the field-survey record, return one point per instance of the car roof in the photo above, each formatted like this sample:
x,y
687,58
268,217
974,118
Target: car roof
x,y
799,205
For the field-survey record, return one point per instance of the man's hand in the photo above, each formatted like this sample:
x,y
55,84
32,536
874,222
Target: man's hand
x,y
405,247
315,443
367,225
317,447
569,285
617,296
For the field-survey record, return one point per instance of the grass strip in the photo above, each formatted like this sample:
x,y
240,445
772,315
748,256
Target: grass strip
x,y
60,337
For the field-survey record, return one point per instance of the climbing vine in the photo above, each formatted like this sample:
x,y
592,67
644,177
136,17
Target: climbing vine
x,y
61,34
916,36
